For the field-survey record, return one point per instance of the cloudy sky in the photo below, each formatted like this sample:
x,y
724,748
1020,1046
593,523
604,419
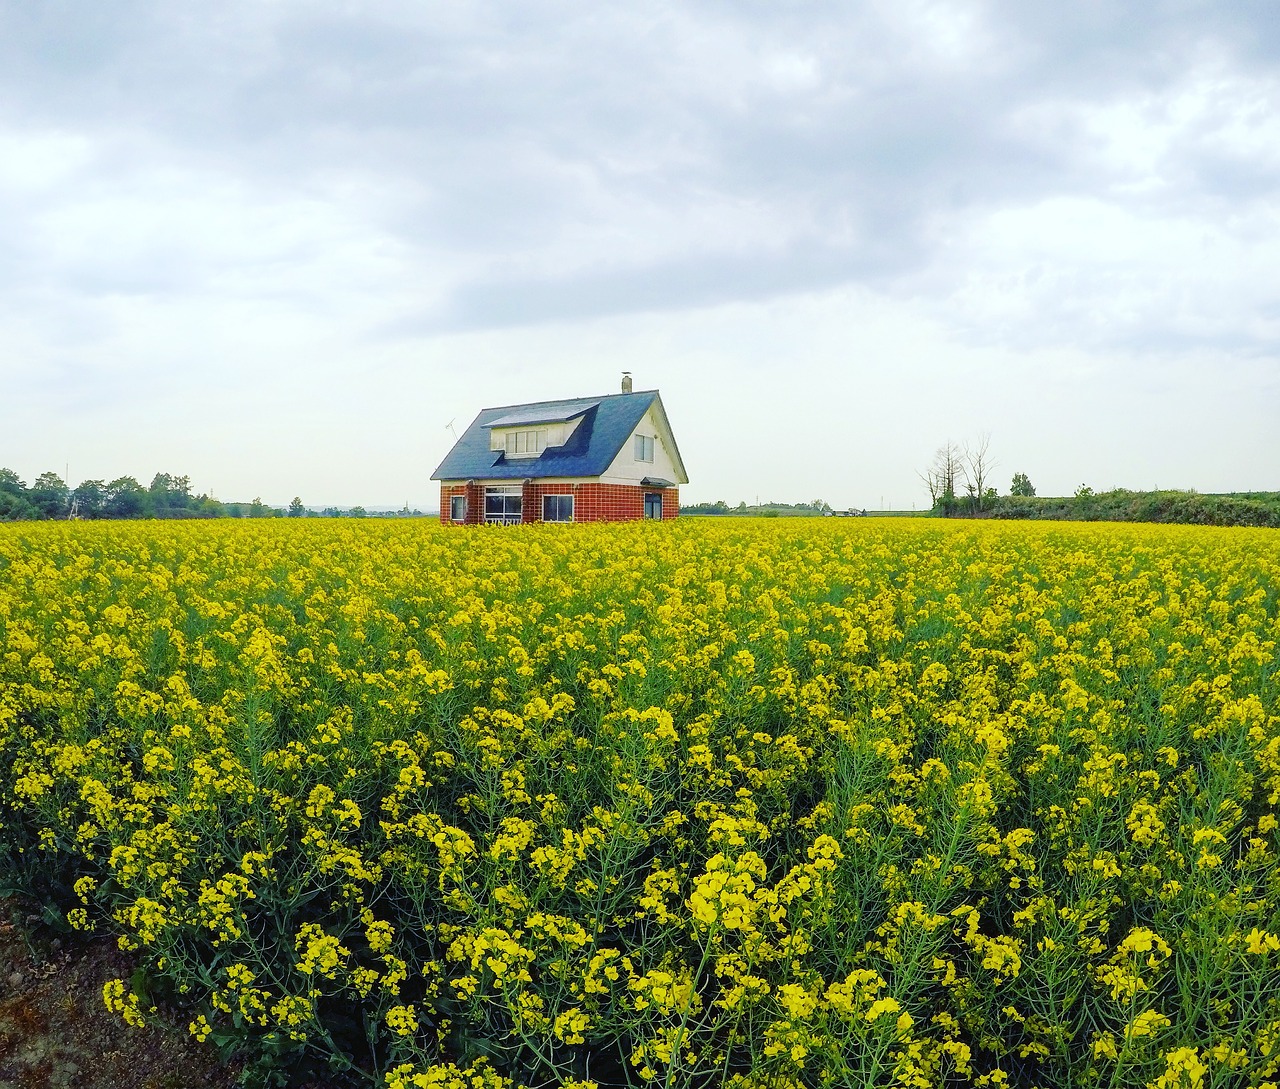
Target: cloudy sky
x,y
279,246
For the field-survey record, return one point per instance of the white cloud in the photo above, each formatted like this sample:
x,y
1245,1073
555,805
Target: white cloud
x,y
316,229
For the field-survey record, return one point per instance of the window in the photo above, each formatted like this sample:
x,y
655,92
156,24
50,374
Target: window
x,y
526,443
504,504
644,448
458,508
557,508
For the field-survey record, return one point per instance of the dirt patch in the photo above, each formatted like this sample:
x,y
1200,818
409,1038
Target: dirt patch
x,y
55,1032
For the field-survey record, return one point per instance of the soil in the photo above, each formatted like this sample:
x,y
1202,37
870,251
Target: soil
x,y
55,1032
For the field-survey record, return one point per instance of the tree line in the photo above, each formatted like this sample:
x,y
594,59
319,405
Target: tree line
x,y
960,479
959,483
168,496
814,506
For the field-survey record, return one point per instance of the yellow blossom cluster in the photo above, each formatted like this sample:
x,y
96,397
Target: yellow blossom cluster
x,y
726,803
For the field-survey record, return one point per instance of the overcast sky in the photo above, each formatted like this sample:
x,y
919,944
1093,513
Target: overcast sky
x,y
280,246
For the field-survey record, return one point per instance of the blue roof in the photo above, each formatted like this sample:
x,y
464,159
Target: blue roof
x,y
607,423
546,412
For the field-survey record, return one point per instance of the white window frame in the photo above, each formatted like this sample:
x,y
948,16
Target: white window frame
x,y
457,502
510,513
644,448
561,495
526,444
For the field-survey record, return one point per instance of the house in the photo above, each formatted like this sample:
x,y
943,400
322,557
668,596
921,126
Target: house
x,y
589,459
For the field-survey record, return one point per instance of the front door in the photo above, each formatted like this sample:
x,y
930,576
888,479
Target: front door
x,y
653,504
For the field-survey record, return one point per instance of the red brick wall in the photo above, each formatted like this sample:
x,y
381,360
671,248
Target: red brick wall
x,y
475,502
670,503
447,492
596,502
592,502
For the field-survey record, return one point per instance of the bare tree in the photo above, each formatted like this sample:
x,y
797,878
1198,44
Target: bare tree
x,y
978,464
942,476
930,482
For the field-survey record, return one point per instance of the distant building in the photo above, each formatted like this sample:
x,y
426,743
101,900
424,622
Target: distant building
x,y
589,459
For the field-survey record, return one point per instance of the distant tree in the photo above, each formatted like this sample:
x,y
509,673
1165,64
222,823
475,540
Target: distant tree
x,y
257,509
942,477
15,508
50,495
126,498
718,507
296,509
170,492
14,504
10,482
90,499
208,507
1021,486
358,512
978,464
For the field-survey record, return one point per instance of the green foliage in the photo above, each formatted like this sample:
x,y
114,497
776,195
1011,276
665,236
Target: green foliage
x,y
1021,486
168,496
89,500
770,509
14,504
126,498
50,496
947,504
1121,505
16,508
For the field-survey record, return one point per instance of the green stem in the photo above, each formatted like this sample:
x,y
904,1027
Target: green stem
x,y
684,1017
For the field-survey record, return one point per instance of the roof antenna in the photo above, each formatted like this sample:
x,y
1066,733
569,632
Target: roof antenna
x,y
449,427
626,381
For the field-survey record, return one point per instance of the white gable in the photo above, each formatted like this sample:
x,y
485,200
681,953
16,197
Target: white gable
x,y
629,468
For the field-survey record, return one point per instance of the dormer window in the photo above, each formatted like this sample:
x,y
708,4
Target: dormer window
x,y
525,443
644,448
527,433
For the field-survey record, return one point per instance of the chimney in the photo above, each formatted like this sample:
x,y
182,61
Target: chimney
x,y
626,381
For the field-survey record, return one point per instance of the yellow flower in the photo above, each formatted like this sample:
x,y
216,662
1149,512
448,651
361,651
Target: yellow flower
x,y
402,1020
1260,942
1183,1070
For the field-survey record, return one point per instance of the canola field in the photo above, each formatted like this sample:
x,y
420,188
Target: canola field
x,y
715,803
